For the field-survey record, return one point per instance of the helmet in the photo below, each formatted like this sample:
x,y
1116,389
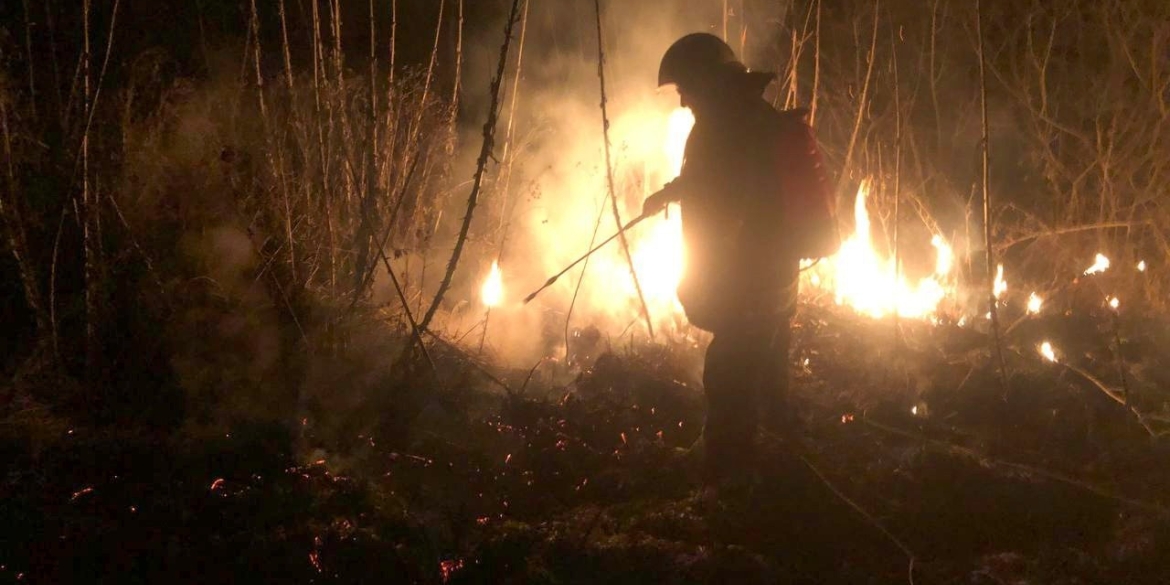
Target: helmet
x,y
694,59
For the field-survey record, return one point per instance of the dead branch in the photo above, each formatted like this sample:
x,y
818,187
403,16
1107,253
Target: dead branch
x,y
489,132
861,100
414,327
617,216
1002,246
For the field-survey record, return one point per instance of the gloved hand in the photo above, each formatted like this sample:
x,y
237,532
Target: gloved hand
x,y
658,201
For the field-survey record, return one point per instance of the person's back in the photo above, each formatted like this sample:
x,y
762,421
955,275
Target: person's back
x,y
739,264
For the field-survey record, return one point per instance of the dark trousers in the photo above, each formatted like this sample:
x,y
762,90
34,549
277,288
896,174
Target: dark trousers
x,y
745,379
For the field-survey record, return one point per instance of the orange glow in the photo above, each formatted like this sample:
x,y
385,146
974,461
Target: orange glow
x,y
1034,303
1047,351
866,281
1100,264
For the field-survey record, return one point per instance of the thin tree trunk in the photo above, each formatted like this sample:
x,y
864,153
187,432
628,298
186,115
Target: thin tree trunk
x,y
812,117
985,174
288,76
32,79
326,193
897,177
393,39
89,218
458,67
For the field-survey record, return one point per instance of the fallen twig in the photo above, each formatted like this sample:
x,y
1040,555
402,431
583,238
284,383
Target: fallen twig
x,y
1114,396
852,504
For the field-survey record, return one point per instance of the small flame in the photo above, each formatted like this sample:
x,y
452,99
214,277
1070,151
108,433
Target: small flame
x,y
493,288
1034,303
1141,266
1101,264
1114,303
1047,352
945,256
1000,285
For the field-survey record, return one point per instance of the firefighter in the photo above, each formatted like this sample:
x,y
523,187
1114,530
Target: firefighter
x,y
741,273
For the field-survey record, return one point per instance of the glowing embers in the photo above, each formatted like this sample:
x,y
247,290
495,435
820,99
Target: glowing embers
x,y
492,292
860,277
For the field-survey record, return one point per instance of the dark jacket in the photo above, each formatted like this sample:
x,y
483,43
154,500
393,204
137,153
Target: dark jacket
x,y
739,263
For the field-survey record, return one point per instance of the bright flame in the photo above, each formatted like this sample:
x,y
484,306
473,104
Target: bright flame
x,y
1101,264
1114,303
1141,266
1047,352
656,247
1034,303
493,287
678,129
945,256
1000,285
863,279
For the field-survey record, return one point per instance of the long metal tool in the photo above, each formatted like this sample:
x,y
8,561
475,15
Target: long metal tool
x,y
552,280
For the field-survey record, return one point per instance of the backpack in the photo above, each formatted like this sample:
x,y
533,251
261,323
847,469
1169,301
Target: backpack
x,y
808,201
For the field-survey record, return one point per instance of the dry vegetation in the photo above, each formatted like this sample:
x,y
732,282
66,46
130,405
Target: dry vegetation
x,y
197,288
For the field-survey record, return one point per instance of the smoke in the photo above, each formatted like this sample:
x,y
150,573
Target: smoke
x,y
540,209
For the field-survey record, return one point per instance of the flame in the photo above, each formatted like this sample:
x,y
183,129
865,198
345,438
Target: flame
x,y
1114,303
1101,264
945,256
678,129
1034,303
1141,266
658,256
492,292
656,247
1046,351
868,282
1000,285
